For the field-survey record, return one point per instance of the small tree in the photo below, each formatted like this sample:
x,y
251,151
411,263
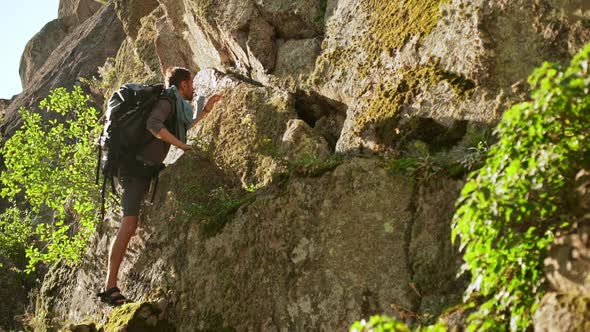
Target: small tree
x,y
49,180
510,210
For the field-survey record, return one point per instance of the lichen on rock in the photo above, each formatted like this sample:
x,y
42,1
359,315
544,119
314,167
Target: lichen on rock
x,y
389,25
137,317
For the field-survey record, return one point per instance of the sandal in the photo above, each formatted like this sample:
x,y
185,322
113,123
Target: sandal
x,y
108,298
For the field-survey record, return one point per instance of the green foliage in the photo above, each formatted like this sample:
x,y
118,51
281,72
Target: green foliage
x,y
474,156
387,324
50,164
14,235
422,166
509,210
379,324
217,206
419,165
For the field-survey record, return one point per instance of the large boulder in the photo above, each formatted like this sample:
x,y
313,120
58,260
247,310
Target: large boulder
x,y
244,132
39,48
446,60
253,131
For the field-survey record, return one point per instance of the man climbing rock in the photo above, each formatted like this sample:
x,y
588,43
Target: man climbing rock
x,y
166,125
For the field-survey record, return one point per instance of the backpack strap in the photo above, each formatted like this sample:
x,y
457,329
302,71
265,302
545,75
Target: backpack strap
x,y
103,194
156,180
102,198
98,163
170,123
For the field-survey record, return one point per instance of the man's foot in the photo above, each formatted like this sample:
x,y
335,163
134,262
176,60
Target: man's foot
x,y
113,297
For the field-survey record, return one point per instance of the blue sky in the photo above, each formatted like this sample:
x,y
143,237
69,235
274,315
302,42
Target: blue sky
x,y
19,21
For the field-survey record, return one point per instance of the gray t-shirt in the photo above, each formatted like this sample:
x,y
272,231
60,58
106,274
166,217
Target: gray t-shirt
x,y
156,150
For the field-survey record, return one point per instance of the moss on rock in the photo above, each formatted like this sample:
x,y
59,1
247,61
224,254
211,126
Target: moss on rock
x,y
390,25
136,317
82,327
145,44
388,98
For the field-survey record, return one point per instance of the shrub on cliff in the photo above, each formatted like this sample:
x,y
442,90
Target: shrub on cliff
x,y
510,209
48,180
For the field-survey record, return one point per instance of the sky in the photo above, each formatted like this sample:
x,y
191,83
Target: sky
x,y
19,21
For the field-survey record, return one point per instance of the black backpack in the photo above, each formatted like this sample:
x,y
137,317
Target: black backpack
x,y
124,133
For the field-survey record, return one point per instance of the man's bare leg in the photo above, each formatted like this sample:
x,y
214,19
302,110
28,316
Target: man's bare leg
x,y
118,248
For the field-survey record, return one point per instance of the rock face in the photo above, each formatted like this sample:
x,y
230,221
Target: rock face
x,y
172,50
568,263
563,312
3,105
131,12
387,62
566,306
314,253
74,12
256,38
450,60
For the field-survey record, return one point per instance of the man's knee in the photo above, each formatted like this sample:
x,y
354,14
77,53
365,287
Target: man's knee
x,y
129,224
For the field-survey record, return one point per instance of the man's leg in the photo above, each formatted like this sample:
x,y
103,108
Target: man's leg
x,y
133,189
118,248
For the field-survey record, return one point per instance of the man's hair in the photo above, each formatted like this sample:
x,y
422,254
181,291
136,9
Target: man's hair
x,y
175,75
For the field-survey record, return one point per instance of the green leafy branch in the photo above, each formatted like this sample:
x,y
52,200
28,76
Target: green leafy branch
x,y
49,163
508,212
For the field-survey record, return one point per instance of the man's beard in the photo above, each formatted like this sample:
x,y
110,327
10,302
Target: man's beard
x,y
189,98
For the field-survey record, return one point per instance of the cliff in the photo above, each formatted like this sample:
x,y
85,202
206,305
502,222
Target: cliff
x,y
291,214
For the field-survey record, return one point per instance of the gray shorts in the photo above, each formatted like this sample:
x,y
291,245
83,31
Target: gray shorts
x,y
133,190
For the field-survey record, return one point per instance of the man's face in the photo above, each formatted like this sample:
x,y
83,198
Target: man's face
x,y
187,90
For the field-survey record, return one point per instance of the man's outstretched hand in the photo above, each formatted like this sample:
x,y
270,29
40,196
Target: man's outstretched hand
x,y
185,147
212,100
